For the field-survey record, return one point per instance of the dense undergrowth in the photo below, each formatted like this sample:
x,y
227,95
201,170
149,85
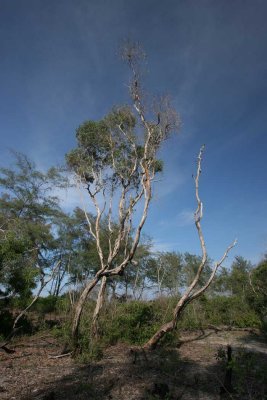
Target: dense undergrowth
x,y
132,322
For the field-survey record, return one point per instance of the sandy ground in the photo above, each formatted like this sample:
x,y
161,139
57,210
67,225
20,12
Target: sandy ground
x,y
190,371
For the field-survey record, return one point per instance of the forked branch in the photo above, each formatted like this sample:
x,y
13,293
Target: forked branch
x,y
190,294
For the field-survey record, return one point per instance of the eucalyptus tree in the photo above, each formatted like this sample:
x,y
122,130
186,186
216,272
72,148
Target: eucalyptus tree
x,y
116,162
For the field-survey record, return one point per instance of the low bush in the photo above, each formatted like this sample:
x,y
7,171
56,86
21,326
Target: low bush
x,y
134,322
232,311
6,324
7,320
219,310
46,305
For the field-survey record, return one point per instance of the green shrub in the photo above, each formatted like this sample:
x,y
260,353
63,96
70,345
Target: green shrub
x,y
6,324
7,320
132,322
219,310
19,303
45,305
232,311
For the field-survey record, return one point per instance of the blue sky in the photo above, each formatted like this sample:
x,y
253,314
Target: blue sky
x,y
59,67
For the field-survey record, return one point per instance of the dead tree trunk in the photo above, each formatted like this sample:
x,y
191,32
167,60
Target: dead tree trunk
x,y
191,293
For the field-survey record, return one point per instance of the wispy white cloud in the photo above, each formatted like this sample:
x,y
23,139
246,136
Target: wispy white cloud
x,y
164,246
167,184
69,198
184,218
72,197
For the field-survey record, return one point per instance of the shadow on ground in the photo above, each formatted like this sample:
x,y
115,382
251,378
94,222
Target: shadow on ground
x,y
131,374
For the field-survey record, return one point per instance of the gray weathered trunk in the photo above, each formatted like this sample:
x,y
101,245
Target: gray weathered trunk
x,y
98,307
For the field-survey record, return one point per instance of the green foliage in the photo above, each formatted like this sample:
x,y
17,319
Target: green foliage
x,y
218,311
89,350
107,147
165,272
172,272
239,277
158,165
14,254
27,213
7,320
234,281
45,305
257,296
110,152
92,151
231,311
132,322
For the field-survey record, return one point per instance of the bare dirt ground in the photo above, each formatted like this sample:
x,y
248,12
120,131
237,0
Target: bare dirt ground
x,y
190,371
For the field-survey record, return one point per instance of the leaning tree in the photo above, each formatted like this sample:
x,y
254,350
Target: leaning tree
x,y
116,162
197,286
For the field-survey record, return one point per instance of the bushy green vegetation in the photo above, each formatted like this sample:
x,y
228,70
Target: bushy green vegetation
x,y
218,311
134,322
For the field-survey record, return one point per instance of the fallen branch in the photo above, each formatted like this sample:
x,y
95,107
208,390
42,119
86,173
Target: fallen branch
x,y
61,355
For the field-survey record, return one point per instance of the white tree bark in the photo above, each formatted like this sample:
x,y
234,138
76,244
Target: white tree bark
x,y
190,294
129,196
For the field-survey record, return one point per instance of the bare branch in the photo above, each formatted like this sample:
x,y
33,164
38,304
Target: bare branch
x,y
198,217
217,265
251,284
7,296
78,184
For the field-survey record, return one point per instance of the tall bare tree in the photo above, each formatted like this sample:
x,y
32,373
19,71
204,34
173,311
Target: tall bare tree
x,y
192,291
116,162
